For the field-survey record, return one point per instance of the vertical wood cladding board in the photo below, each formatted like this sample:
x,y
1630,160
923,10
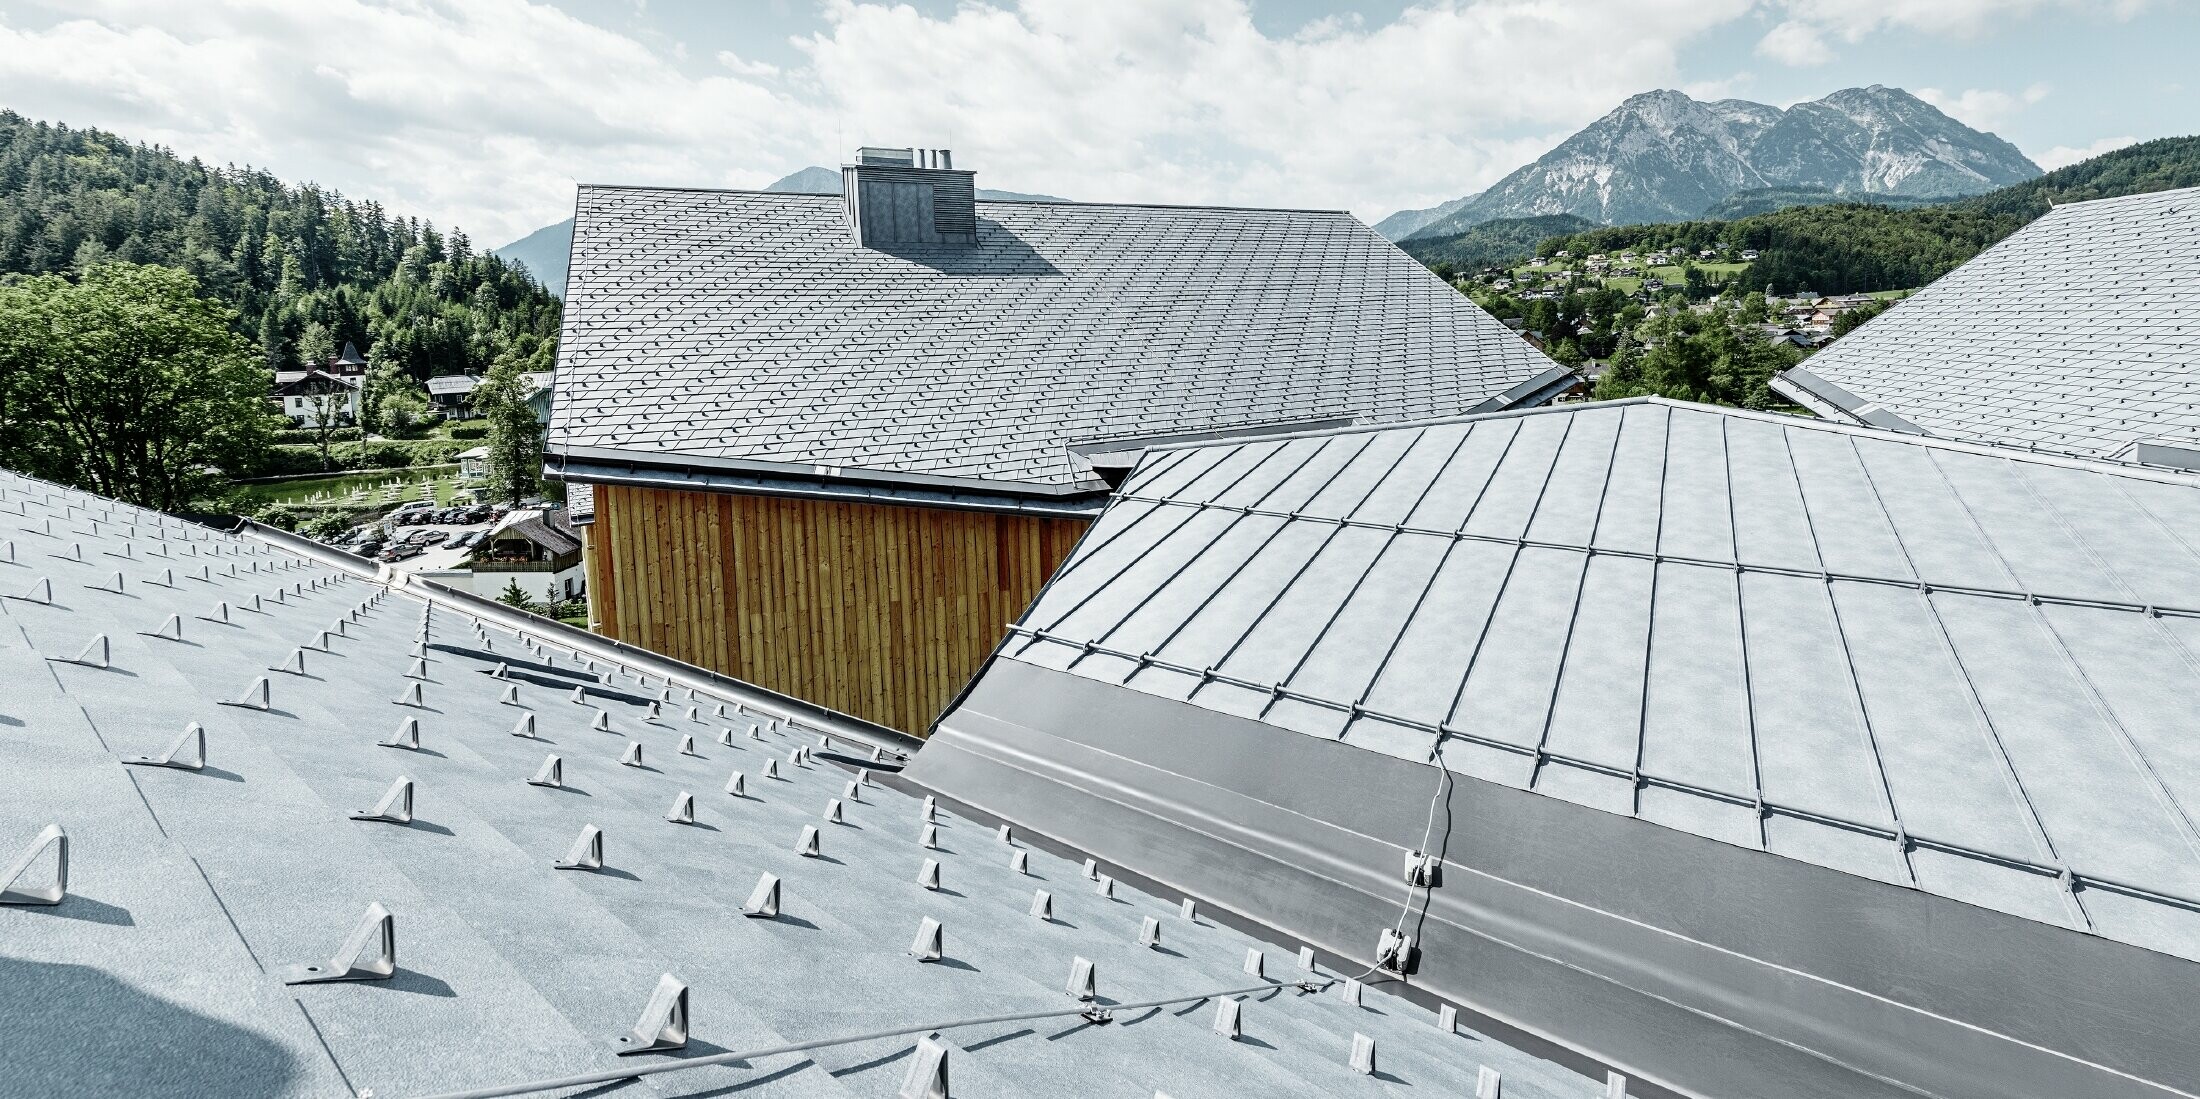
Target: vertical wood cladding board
x,y
879,611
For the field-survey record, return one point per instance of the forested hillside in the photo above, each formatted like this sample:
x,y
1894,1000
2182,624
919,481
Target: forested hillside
x,y
1858,247
283,257
1503,241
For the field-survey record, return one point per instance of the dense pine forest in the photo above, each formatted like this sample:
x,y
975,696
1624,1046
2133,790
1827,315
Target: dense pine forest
x,y
284,258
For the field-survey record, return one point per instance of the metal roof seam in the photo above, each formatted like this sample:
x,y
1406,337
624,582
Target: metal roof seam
x,y
1741,634
1855,691
2049,598
1650,616
1390,539
2036,824
2100,704
1375,674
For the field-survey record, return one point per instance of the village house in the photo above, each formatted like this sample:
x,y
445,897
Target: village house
x,y
836,442
538,549
334,387
450,394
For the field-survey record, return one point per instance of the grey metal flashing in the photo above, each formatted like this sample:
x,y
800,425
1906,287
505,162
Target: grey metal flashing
x,y
349,563
1137,443
614,456
1532,392
671,670
653,475
1794,385
2169,474
1587,928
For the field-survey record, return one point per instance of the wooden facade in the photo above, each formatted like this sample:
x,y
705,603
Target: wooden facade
x,y
876,610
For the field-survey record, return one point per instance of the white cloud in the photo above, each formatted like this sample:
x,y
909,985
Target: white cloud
x,y
486,111
2064,155
1983,108
1810,30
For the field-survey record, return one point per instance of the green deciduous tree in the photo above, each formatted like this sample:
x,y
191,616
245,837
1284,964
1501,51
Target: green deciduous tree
x,y
315,346
126,382
1703,357
390,401
515,437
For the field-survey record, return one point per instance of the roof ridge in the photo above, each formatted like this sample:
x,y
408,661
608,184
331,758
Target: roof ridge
x,y
985,201
2137,470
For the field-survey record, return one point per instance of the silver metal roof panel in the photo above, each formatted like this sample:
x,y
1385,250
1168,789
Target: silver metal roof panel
x,y
1927,662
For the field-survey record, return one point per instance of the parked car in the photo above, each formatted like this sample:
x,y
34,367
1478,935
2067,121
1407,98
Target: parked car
x,y
368,549
468,540
428,538
400,552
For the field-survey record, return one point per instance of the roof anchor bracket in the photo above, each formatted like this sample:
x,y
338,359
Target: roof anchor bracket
x,y
664,1023
369,953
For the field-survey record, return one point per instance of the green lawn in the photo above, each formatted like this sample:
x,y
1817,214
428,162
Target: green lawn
x,y
359,489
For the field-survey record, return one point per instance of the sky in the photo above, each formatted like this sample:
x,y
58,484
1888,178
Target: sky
x,y
485,113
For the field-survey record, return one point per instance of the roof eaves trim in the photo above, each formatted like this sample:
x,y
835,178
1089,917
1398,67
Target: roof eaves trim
x,y
643,460
674,672
1084,507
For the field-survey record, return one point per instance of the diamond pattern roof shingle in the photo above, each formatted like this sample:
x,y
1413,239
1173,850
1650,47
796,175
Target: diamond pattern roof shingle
x,y
2075,335
747,325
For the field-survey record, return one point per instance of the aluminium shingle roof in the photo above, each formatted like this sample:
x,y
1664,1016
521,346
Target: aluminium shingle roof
x,y
189,891
1953,668
2075,335
750,326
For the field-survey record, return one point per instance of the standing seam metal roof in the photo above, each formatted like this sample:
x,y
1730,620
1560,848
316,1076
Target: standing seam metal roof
x,y
1931,664
190,890
2072,336
748,325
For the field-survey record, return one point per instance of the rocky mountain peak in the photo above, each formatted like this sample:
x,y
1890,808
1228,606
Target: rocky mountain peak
x,y
1662,155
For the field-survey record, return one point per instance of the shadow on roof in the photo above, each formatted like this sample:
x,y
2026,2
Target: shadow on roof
x,y
999,253
52,1008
